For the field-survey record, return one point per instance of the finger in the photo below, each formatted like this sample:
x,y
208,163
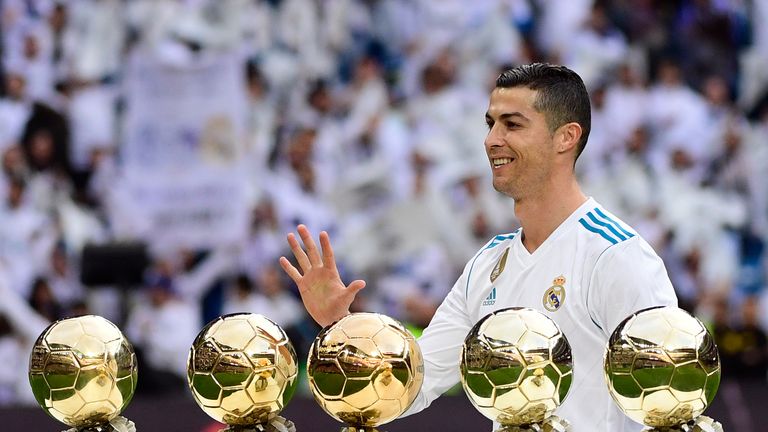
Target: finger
x,y
298,252
356,286
325,243
309,243
290,270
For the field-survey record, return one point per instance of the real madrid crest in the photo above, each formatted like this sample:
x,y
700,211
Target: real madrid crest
x,y
554,297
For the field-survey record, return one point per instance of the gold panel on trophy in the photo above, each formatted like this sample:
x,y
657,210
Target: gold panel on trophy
x,y
365,370
662,367
242,369
83,371
517,368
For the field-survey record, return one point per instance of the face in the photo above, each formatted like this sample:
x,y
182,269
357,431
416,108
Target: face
x,y
15,195
42,147
270,281
519,145
716,91
750,311
669,74
59,262
31,47
15,86
159,296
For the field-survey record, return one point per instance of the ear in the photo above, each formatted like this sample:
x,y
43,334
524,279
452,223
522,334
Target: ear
x,y
567,137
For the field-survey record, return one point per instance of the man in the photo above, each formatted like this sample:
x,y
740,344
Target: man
x,y
572,259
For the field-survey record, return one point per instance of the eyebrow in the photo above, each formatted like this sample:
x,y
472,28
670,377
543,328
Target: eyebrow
x,y
507,116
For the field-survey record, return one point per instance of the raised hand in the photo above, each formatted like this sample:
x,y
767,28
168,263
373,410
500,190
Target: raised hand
x,y
325,296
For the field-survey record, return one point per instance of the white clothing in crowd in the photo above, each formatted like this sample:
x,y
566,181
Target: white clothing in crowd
x,y
26,325
165,327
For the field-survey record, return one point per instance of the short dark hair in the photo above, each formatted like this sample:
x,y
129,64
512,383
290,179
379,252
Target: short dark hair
x,y
562,96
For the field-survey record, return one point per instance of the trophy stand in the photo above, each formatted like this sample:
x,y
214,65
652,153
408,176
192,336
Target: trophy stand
x,y
277,424
551,424
699,424
118,424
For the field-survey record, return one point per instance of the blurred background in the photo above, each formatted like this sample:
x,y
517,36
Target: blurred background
x,y
155,153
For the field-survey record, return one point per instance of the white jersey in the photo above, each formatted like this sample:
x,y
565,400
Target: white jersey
x,y
590,273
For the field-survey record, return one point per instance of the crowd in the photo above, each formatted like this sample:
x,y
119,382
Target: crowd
x,y
365,118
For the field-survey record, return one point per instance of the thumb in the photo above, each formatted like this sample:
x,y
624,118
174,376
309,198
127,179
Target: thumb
x,y
356,286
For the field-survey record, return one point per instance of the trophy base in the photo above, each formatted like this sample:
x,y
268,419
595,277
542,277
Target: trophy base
x,y
358,429
277,424
551,424
699,424
118,424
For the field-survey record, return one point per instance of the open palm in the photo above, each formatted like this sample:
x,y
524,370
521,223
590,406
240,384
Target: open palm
x,y
325,296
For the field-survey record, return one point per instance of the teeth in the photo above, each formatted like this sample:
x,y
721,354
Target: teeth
x,y
501,161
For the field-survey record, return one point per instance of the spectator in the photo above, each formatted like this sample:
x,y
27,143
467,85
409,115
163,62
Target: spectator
x,y
743,346
272,299
10,354
26,237
64,284
597,48
43,301
20,326
15,109
162,329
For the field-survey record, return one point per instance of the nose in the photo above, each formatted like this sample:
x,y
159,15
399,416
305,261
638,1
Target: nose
x,y
493,139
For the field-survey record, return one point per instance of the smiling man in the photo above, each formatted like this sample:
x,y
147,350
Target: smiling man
x,y
572,259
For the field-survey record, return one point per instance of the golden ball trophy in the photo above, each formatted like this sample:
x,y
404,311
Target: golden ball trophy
x,y
516,369
83,373
663,369
242,371
365,370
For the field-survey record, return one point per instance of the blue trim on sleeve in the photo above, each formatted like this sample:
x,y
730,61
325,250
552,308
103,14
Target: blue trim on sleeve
x,y
501,238
616,224
606,225
595,230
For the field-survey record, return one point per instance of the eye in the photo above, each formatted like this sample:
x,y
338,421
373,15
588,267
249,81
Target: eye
x,y
489,123
512,125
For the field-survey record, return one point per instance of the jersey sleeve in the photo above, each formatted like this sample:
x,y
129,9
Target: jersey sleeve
x,y
441,345
627,277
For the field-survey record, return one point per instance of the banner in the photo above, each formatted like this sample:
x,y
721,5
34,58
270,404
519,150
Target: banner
x,y
182,151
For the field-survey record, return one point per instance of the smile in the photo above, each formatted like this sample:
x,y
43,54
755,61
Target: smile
x,y
497,162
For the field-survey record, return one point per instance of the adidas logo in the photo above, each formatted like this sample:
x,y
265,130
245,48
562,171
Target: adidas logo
x,y
491,299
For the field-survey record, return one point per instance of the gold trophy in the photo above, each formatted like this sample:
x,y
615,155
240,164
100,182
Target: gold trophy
x,y
242,371
83,373
517,368
365,370
663,369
